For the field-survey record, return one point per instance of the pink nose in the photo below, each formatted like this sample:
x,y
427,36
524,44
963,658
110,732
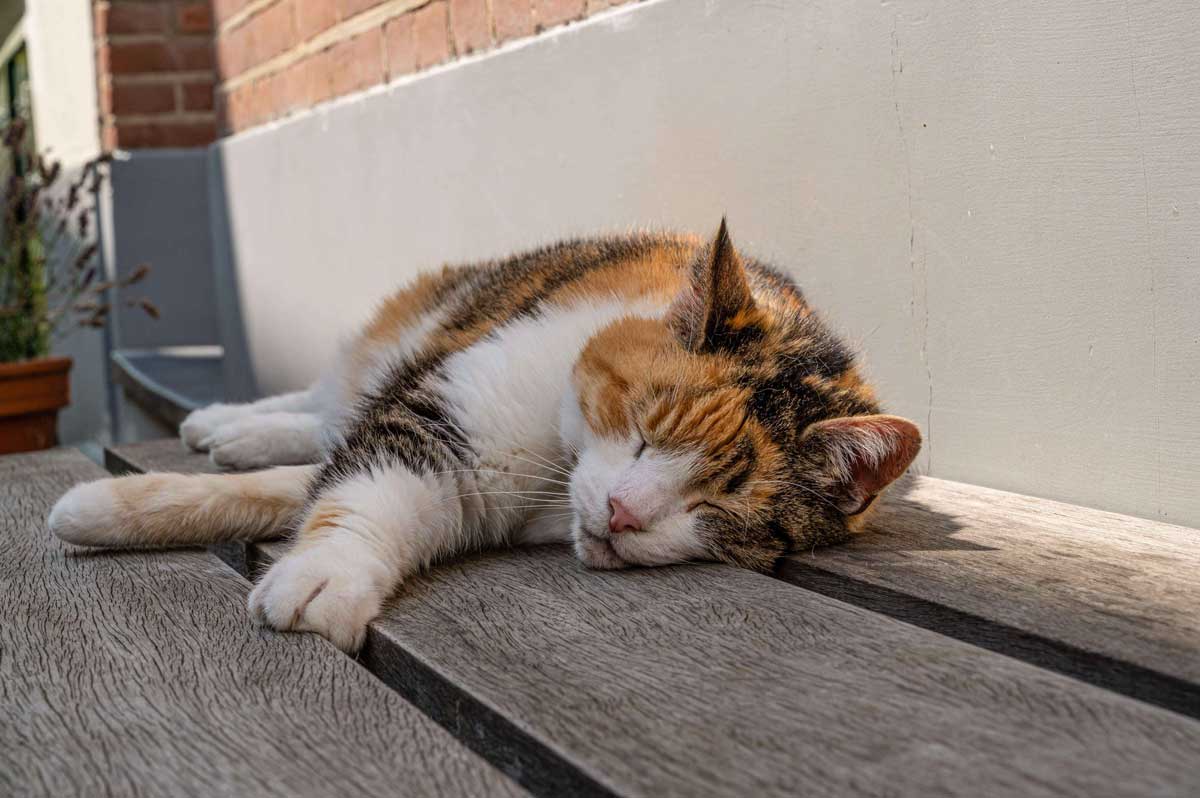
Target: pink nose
x,y
622,520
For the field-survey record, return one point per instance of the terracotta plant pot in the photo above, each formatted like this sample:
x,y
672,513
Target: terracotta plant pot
x,y
31,394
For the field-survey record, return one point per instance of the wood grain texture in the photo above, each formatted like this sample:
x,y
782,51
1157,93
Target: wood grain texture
x,y
1115,585
1122,587
706,680
167,454
139,673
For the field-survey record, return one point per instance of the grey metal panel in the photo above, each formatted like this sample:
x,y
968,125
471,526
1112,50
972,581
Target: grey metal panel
x,y
239,381
160,215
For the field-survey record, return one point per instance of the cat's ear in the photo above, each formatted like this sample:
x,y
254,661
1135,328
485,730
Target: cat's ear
x,y
717,301
863,455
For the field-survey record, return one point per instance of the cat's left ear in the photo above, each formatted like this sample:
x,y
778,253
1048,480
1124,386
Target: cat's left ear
x,y
718,300
863,455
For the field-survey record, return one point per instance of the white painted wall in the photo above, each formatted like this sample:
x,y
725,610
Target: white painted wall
x,y
62,70
999,200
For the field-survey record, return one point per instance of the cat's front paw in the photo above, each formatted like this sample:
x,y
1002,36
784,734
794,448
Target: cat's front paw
x,y
328,588
200,425
266,440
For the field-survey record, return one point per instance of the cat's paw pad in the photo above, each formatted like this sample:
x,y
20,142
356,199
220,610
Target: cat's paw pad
x,y
324,589
200,424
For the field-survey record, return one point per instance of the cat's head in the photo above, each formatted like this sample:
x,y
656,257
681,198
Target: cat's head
x,y
736,429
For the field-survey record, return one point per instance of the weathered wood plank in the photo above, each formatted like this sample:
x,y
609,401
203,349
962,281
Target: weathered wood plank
x,y
167,454
1122,587
139,673
707,680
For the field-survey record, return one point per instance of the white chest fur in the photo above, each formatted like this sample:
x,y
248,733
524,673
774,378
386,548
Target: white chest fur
x,y
505,392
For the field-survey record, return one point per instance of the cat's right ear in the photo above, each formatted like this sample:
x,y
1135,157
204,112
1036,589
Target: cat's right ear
x,y
863,455
717,301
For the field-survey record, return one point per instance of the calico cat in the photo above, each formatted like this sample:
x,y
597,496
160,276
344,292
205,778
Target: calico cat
x,y
650,398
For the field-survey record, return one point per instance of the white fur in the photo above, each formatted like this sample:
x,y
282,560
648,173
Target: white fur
x,y
86,514
651,485
259,441
396,524
506,393
201,425
407,343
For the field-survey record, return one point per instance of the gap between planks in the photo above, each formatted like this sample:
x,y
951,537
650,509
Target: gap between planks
x,y
481,728
862,589
537,767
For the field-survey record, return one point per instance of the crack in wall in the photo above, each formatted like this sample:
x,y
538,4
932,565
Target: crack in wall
x,y
1137,108
923,277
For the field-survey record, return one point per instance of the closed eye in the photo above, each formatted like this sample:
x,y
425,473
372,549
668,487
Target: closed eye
x,y
706,505
641,447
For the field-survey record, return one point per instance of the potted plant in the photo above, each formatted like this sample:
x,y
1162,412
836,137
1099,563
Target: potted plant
x,y
50,283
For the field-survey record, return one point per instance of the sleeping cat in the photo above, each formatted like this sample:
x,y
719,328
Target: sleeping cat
x,y
650,398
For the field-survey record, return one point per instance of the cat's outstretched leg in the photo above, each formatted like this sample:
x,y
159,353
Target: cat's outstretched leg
x,y
359,539
265,440
291,429
200,425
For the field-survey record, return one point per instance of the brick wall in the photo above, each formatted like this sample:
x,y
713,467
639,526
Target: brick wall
x,y
179,73
156,72
276,57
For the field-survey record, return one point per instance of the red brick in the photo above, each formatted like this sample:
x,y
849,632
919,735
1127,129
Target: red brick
x,y
166,56
125,17
108,136
400,46
556,12
348,8
314,16
271,32
469,25
103,59
291,90
512,19
197,96
348,66
193,55
104,95
148,135
129,59
193,18
302,82
431,34
275,95
144,98
237,107
356,63
100,20
233,53
257,104
224,9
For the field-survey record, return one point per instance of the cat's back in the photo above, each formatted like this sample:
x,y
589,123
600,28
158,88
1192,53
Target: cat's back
x,y
446,311
591,280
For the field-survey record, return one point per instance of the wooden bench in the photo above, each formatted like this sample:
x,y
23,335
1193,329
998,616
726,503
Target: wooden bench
x,y
973,643
136,673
